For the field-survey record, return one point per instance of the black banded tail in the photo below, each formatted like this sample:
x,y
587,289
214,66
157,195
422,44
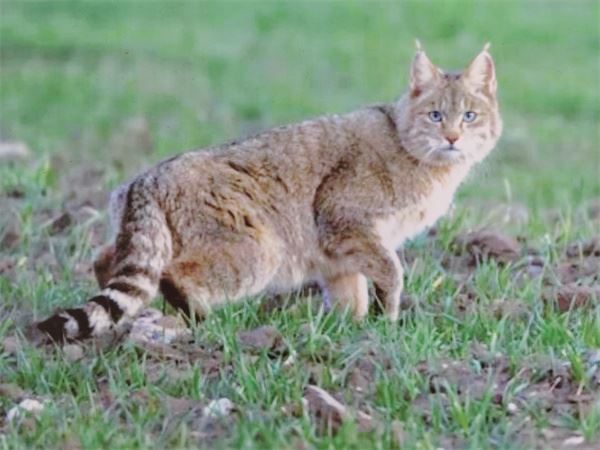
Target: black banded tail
x,y
142,250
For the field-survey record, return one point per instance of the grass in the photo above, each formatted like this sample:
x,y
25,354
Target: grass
x,y
73,73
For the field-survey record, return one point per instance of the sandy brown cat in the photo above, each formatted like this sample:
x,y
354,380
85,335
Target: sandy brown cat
x,y
326,200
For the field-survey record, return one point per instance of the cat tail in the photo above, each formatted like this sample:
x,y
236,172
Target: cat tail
x,y
143,248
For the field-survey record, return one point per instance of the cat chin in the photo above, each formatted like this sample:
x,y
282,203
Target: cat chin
x,y
443,157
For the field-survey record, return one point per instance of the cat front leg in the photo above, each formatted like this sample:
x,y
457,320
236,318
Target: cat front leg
x,y
387,274
389,295
360,251
349,291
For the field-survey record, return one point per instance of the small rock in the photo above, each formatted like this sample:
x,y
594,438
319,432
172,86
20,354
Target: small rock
x,y
29,405
218,408
151,327
14,151
73,352
532,266
573,441
329,413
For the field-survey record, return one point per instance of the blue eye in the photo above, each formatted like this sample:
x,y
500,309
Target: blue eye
x,y
435,116
469,116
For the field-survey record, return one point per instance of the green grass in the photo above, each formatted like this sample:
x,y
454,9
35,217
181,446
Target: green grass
x,y
72,73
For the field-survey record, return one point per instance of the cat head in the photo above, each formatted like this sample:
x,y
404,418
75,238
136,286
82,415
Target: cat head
x,y
450,118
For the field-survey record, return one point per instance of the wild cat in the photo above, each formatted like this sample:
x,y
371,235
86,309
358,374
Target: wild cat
x,y
326,200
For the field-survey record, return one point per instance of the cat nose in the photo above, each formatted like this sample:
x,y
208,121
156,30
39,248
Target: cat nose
x,y
452,138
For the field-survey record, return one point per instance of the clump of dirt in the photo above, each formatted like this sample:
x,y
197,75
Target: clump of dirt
x,y
262,338
565,298
483,245
60,223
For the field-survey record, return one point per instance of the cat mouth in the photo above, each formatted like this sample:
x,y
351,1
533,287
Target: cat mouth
x,y
449,154
450,148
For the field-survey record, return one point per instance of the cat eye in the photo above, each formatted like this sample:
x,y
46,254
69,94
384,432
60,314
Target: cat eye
x,y
435,116
469,116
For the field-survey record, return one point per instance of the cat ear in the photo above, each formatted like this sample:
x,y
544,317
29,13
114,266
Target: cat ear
x,y
481,73
422,72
